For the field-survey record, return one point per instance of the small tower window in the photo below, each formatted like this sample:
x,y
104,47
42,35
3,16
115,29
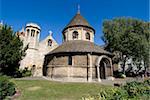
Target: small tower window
x,y
87,36
64,37
28,32
70,60
75,35
32,33
37,32
49,42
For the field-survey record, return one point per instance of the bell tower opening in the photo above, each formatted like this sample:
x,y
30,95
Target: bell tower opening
x,y
75,35
33,34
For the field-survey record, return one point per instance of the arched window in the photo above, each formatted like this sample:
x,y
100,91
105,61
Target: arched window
x,y
75,35
37,32
64,37
33,69
87,35
32,33
28,32
49,42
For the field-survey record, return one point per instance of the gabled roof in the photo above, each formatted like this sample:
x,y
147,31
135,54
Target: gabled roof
x,y
47,38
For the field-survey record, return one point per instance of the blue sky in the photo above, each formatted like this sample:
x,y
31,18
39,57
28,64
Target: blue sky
x,y
54,15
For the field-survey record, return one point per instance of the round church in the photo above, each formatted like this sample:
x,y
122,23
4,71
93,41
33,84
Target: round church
x,y
78,58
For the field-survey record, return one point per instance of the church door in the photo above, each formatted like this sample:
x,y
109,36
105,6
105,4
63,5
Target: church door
x,y
102,70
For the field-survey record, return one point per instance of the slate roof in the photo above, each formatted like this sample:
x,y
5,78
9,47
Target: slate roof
x,y
78,20
79,46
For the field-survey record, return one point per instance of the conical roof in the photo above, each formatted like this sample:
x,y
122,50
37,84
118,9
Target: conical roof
x,y
78,20
79,46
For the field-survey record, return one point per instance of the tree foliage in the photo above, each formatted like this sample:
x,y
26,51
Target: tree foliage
x,y
11,51
128,36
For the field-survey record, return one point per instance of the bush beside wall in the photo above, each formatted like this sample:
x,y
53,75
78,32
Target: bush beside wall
x,y
7,88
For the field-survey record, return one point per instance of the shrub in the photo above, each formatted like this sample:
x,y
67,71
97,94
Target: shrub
x,y
22,73
130,91
147,82
17,74
11,88
7,88
109,94
137,89
26,72
118,74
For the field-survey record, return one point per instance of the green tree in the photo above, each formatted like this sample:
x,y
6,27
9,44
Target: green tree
x,y
129,37
11,51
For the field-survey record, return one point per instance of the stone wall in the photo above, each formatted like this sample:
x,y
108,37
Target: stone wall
x,y
80,60
57,66
67,71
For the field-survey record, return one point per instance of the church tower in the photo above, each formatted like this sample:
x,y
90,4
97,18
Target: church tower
x,y
78,29
32,35
35,53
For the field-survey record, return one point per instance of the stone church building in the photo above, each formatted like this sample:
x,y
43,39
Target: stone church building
x,y
77,58
36,51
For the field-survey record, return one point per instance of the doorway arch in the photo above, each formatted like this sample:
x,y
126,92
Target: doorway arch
x,y
104,67
102,70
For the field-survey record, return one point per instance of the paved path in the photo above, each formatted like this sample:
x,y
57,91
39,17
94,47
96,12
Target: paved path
x,y
104,82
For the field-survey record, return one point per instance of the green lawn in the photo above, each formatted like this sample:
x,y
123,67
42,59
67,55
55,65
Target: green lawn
x,y
48,90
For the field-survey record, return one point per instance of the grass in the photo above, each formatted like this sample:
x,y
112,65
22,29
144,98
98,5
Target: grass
x,y
49,90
